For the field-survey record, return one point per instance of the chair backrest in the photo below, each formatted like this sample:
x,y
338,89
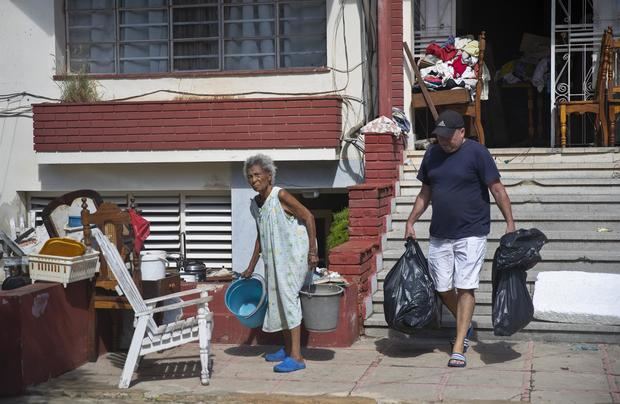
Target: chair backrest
x,y
612,57
116,224
66,199
602,71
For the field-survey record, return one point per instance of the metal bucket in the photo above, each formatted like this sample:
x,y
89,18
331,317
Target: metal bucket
x,y
320,306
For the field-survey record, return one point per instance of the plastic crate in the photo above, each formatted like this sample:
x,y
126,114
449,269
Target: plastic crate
x,y
63,269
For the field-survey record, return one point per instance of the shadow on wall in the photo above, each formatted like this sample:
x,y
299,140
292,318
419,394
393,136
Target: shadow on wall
x,y
41,16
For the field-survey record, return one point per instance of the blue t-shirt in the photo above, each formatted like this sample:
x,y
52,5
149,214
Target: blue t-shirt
x,y
459,189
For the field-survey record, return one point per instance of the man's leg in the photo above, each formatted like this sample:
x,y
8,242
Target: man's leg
x,y
466,302
468,260
449,299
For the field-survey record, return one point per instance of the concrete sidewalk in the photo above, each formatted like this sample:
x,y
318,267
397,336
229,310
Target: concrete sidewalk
x,y
372,370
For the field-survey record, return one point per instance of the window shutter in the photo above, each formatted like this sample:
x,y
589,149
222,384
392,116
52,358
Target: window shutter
x,y
164,214
208,228
206,220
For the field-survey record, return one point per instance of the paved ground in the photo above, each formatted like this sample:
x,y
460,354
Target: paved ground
x,y
372,370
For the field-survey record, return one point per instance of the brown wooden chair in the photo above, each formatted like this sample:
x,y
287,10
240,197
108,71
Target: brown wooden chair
x,y
115,223
597,105
613,86
458,99
66,200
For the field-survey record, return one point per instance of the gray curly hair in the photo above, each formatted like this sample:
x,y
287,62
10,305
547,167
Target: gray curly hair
x,y
263,161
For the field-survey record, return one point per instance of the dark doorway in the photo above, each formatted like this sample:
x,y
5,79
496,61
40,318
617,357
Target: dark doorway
x,y
517,113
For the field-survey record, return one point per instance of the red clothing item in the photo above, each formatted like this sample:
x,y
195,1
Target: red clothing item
x,y
141,229
444,54
458,66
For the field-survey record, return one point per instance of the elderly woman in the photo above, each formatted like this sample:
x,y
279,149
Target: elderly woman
x,y
285,227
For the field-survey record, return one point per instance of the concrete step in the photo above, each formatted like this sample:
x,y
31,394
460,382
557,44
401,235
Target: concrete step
x,y
542,155
563,199
547,224
553,260
375,326
548,255
534,212
540,186
558,240
483,303
539,171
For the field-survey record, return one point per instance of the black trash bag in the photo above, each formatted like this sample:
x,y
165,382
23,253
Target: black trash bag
x,y
512,304
520,249
408,291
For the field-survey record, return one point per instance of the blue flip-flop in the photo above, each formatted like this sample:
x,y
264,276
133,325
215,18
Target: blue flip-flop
x,y
277,356
457,360
470,333
289,365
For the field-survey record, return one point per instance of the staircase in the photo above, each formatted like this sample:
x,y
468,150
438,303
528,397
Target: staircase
x,y
573,196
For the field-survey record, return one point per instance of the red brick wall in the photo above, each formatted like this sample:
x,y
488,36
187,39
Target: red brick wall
x,y
188,125
383,156
369,207
397,53
229,330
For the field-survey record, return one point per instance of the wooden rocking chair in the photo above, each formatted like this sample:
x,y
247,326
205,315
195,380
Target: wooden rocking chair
x,y
147,336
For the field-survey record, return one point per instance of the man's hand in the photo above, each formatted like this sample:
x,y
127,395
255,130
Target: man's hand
x,y
247,273
409,231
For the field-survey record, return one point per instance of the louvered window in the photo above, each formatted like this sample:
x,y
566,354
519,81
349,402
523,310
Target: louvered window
x,y
434,21
205,218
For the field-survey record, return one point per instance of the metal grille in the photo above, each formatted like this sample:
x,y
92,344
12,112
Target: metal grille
x,y
574,60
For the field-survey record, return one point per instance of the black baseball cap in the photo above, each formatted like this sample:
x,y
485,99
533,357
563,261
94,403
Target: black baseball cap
x,y
447,122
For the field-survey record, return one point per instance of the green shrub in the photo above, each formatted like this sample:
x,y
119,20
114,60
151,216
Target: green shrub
x,y
78,88
339,229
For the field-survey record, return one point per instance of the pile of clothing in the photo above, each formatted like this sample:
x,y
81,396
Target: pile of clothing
x,y
533,66
453,64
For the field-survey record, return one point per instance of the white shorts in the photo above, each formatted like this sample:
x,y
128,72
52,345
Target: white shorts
x,y
456,263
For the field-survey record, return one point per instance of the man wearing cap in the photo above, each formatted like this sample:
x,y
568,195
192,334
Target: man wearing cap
x,y
456,175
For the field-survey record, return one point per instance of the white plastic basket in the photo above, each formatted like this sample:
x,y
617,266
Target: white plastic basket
x,y
63,269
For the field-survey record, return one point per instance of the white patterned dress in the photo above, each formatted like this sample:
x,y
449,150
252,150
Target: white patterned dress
x,y
284,248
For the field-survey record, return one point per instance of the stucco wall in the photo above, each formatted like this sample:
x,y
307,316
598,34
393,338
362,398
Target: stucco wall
x,y
33,34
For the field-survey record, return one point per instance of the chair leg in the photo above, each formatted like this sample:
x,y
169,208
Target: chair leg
x,y
612,128
479,130
134,352
605,129
204,340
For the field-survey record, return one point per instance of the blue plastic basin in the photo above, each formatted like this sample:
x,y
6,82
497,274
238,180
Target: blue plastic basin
x,y
247,300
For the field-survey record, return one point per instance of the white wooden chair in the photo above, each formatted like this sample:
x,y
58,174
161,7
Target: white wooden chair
x,y
148,336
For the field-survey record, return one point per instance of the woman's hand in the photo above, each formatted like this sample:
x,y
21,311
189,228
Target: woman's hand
x,y
247,273
313,260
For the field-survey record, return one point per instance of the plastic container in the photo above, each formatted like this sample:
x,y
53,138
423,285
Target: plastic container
x,y
63,247
63,269
320,306
153,267
74,221
247,300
